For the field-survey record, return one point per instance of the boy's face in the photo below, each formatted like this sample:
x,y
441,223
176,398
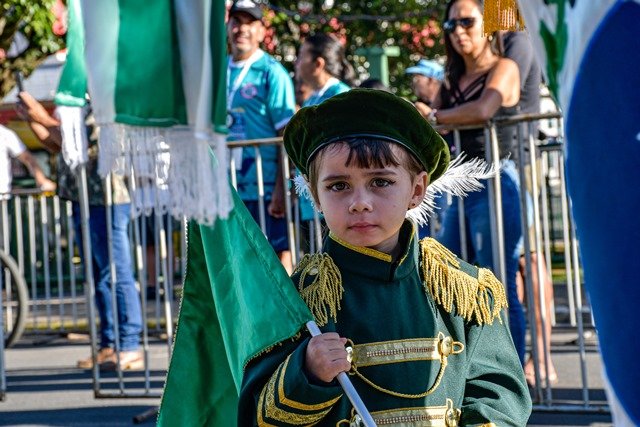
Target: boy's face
x,y
366,207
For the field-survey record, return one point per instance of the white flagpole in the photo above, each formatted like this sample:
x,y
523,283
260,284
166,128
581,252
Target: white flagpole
x,y
347,386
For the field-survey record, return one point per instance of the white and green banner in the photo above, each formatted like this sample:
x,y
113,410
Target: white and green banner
x,y
590,51
155,75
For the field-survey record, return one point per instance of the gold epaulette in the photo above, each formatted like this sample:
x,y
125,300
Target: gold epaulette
x,y
476,298
324,293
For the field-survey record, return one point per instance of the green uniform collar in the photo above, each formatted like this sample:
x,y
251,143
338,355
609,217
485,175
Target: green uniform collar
x,y
375,264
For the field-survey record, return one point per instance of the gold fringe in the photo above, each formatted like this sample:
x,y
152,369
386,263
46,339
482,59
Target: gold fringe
x,y
324,294
481,299
294,338
502,15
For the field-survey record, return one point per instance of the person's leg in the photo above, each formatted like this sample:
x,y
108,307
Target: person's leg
x,y
541,339
127,296
433,227
106,354
523,280
100,261
279,239
513,238
480,226
449,234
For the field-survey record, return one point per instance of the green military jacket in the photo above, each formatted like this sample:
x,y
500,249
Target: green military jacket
x,y
429,345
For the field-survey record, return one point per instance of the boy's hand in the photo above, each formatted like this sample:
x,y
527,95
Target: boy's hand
x,y
326,356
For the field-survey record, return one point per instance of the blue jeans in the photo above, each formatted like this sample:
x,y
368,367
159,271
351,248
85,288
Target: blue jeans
x,y
276,228
479,247
127,296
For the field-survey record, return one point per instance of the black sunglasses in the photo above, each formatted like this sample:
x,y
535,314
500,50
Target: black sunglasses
x,y
450,25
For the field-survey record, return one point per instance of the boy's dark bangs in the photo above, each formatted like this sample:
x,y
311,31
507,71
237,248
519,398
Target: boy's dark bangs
x,y
369,153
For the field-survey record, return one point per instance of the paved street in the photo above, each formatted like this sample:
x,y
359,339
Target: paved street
x,y
46,389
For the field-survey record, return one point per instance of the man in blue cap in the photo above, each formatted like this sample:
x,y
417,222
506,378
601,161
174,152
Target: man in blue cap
x,y
427,77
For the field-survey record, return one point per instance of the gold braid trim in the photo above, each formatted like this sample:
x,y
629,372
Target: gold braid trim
x,y
267,403
282,397
481,299
324,294
294,338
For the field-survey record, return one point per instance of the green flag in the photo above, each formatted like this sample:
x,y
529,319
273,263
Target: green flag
x,y
72,87
237,301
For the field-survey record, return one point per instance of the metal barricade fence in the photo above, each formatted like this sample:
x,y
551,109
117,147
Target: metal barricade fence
x,y
35,231
38,232
153,255
551,216
42,240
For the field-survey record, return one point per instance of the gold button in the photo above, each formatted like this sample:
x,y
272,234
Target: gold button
x,y
452,416
349,354
446,346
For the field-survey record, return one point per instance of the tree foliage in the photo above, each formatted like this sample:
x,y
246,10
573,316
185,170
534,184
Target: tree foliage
x,y
412,25
34,20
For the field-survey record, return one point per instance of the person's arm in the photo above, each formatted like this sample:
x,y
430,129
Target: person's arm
x,y
44,183
502,89
276,390
42,124
281,107
518,48
277,205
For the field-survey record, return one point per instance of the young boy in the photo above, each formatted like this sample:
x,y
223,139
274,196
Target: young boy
x,y
419,331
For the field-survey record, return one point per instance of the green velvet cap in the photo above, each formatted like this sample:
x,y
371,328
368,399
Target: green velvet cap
x,y
365,113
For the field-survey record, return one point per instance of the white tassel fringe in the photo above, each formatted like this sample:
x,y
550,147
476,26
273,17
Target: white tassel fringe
x,y
169,170
74,135
459,179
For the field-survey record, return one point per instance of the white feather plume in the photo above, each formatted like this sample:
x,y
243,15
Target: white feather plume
x,y
459,179
302,188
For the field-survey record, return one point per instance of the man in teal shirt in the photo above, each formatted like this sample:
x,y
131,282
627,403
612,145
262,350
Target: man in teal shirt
x,y
260,102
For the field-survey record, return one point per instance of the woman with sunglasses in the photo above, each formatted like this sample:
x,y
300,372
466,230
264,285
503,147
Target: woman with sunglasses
x,y
481,84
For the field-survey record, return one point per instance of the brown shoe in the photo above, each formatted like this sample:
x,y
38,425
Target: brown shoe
x,y
129,361
105,355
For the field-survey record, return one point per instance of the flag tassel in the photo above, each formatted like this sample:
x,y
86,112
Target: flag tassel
x,y
347,386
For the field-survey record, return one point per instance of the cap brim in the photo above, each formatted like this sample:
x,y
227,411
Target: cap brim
x,y
257,15
421,71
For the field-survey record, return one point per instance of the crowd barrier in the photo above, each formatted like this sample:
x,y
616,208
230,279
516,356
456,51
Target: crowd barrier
x,y
540,163
38,232
40,236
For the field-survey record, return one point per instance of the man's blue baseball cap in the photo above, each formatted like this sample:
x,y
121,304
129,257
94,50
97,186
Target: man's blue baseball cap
x,y
427,68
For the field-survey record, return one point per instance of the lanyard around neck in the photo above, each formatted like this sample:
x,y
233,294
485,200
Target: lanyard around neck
x,y
240,77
